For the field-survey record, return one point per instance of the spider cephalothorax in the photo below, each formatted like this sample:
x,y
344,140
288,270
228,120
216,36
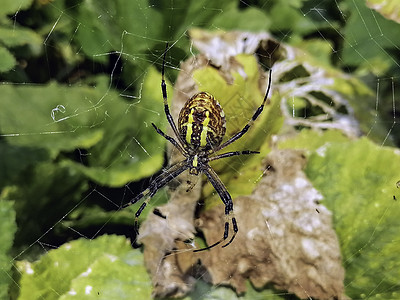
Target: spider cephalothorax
x,y
201,128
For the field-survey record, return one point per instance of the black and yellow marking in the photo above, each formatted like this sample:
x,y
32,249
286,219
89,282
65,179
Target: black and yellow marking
x,y
205,130
189,127
201,122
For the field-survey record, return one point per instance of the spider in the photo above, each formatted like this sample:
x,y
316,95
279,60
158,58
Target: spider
x,y
201,128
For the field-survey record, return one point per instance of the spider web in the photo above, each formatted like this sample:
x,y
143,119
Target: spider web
x,y
77,139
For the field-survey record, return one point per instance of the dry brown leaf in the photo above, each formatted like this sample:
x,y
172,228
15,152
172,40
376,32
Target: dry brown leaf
x,y
285,236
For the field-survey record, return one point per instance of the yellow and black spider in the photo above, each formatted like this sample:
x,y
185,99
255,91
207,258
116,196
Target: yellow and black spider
x,y
201,128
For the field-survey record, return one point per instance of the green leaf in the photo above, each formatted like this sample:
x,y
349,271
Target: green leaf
x,y
11,6
17,36
183,14
251,19
136,29
43,194
358,181
7,230
53,116
123,145
286,16
104,268
7,61
319,51
131,149
15,159
311,140
365,41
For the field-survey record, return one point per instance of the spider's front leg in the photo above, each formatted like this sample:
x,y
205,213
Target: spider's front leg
x,y
233,153
227,200
170,139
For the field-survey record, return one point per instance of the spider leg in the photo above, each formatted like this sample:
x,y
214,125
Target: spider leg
x,y
160,181
227,200
234,153
170,139
250,123
165,98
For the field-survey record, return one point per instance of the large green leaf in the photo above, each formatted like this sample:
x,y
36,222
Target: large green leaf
x,y
7,230
123,146
104,268
53,116
358,181
130,149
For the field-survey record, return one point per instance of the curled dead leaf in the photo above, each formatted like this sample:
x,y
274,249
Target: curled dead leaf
x,y
285,236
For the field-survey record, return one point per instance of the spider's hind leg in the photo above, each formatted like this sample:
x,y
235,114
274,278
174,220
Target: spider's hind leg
x,y
226,234
235,230
227,200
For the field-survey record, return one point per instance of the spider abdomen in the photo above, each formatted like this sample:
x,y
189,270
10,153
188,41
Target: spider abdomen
x,y
201,122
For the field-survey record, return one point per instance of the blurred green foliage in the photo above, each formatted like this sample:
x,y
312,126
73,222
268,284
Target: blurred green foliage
x,y
80,88
7,231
